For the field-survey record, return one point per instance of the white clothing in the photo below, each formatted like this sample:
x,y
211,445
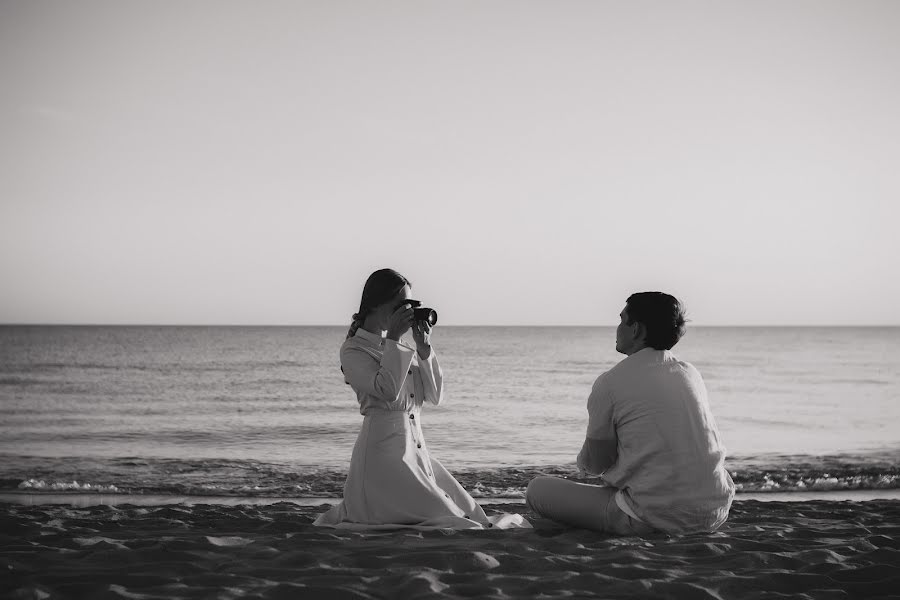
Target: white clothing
x,y
379,369
393,481
669,464
582,505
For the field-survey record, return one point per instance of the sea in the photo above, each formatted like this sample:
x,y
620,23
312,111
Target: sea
x,y
264,411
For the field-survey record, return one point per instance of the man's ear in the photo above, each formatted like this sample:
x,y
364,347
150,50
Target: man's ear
x,y
639,331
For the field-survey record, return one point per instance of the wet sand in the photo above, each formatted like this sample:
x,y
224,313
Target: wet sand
x,y
84,500
802,549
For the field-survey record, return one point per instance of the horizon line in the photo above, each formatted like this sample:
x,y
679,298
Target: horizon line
x,y
746,325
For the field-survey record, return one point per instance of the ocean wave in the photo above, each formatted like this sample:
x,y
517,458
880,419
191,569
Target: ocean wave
x,y
39,485
815,480
257,479
511,483
20,381
165,367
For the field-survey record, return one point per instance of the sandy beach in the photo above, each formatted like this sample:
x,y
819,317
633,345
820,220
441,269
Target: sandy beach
x,y
807,549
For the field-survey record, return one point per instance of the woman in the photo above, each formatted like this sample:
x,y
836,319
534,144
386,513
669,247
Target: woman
x,y
393,481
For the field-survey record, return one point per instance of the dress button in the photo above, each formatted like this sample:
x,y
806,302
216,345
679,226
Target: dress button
x,y
409,372
412,395
418,445
413,417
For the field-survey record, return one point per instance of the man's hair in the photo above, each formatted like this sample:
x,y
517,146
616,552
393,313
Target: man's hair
x,y
661,314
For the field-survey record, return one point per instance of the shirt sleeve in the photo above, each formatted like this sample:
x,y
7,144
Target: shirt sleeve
x,y
432,378
383,379
598,454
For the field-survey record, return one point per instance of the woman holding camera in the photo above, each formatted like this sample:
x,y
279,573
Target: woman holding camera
x,y
392,480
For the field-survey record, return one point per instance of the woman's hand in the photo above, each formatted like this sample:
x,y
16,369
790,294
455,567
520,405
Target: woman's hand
x,y
422,336
399,322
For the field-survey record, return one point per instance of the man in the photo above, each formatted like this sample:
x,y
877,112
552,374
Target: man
x,y
651,437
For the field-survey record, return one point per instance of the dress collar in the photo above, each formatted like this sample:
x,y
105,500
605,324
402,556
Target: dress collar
x,y
372,338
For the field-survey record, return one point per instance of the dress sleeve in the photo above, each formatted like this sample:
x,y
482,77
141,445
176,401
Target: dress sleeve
x,y
599,450
383,380
432,378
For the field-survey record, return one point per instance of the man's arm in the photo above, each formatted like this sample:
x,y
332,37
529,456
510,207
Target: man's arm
x,y
596,456
598,453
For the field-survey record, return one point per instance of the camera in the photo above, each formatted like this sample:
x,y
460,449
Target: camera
x,y
421,313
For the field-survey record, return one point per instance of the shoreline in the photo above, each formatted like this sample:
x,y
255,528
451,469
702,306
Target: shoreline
x,y
85,500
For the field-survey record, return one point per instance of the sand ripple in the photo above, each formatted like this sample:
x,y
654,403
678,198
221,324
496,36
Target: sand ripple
x,y
815,549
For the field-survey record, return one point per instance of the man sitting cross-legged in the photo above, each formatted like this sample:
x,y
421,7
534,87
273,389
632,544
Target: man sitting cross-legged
x,y
651,437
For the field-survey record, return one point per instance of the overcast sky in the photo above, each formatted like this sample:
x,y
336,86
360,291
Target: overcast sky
x,y
520,162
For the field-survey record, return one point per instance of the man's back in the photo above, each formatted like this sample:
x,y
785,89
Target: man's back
x,y
670,461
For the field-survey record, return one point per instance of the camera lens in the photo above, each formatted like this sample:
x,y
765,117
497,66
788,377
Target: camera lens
x,y
426,314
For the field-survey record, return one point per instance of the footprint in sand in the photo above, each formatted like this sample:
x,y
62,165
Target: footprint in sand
x,y
485,561
231,540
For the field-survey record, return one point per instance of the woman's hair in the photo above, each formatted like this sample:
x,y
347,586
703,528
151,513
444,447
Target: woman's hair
x,y
381,286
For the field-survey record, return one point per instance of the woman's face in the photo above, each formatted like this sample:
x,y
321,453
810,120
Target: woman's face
x,y
387,309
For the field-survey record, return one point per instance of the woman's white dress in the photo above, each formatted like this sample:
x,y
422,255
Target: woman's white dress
x,y
393,481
